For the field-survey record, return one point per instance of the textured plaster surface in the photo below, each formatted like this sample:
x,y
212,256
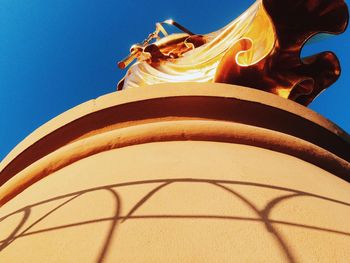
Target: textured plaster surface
x,y
178,173
180,202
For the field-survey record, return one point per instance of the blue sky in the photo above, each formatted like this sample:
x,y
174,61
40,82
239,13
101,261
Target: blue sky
x,y
56,54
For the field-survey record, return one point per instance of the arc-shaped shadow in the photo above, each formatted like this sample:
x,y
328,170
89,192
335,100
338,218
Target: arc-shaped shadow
x,y
13,234
11,238
144,199
262,215
282,243
27,210
113,227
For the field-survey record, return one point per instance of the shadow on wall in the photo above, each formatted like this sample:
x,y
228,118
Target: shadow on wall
x,y
262,215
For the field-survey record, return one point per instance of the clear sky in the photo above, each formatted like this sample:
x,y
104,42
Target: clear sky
x,y
56,54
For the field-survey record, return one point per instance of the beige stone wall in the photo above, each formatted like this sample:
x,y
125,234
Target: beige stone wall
x,y
179,187
181,202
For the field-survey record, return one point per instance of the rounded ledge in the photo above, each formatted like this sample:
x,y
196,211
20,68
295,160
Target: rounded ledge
x,y
217,107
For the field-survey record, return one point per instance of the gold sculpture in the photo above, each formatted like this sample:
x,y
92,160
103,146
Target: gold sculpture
x,y
260,49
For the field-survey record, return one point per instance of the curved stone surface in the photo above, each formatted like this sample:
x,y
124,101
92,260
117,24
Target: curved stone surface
x,y
180,201
185,101
179,173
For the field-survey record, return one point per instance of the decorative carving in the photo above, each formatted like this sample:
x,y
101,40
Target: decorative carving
x,y
260,49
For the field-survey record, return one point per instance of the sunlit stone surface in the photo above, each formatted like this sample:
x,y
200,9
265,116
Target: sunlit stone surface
x,y
177,173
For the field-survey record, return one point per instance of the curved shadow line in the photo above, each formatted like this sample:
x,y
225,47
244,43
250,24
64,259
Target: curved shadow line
x,y
185,217
144,199
183,180
268,208
175,180
12,236
113,227
263,213
39,220
272,230
139,217
239,218
332,231
269,227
